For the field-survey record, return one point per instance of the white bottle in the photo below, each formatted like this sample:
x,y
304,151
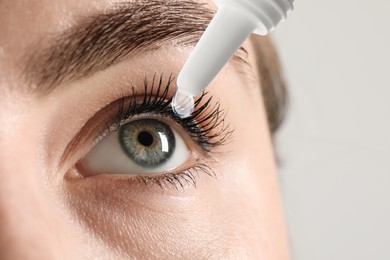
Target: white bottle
x,y
234,21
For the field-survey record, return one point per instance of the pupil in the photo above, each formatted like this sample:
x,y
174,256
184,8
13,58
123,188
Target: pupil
x,y
145,138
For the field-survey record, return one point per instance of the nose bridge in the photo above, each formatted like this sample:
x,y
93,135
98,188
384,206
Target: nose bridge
x,y
25,218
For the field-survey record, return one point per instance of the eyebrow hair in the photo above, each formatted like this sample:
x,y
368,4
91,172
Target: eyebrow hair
x,y
96,42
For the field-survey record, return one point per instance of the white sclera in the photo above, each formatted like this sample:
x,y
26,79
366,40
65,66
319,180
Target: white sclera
x,y
183,103
108,157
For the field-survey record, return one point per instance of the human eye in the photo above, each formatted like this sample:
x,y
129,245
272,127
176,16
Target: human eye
x,y
140,146
143,140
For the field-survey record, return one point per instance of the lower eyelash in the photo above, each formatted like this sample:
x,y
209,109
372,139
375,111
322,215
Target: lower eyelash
x,y
177,180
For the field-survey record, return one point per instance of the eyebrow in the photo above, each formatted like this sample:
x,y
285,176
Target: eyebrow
x,y
101,40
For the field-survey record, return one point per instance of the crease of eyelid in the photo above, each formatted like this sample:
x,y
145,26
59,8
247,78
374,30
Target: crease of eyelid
x,y
241,63
114,113
99,41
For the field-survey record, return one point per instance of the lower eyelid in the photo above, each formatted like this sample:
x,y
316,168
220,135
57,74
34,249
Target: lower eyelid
x,y
168,181
127,188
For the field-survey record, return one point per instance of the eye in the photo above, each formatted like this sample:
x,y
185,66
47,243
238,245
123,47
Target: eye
x,y
139,137
139,147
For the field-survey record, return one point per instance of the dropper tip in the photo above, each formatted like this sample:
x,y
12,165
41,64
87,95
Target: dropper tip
x,y
183,103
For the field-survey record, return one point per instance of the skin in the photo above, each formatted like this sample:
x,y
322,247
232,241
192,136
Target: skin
x,y
47,212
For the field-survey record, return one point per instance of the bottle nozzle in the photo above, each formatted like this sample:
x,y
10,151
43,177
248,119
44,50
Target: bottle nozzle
x,y
234,21
183,103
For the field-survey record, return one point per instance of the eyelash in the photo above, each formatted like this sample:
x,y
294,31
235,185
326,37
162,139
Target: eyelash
x,y
205,126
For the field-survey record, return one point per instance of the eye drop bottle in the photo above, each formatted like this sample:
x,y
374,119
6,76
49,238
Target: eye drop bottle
x,y
234,21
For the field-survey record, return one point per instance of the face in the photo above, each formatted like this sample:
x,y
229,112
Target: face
x,y
94,164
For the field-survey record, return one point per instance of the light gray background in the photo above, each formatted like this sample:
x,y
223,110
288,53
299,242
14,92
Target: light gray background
x,y
335,144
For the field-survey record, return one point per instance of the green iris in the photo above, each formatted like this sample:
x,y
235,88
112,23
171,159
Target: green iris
x,y
147,142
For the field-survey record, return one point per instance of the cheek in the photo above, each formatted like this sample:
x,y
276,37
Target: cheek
x,y
141,222
30,220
